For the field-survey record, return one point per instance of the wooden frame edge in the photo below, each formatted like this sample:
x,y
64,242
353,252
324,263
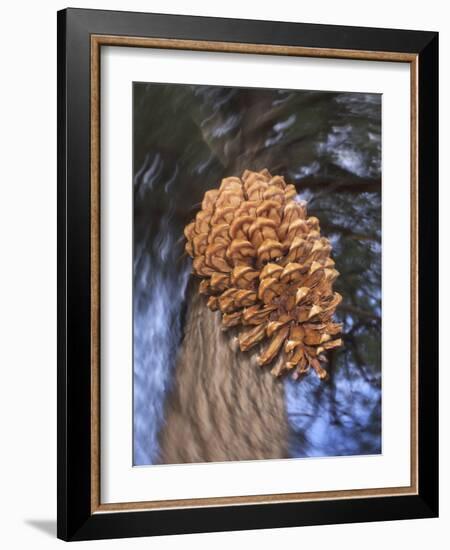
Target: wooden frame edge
x,y
237,47
414,220
215,502
263,49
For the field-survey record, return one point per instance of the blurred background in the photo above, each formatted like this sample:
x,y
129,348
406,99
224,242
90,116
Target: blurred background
x,y
186,139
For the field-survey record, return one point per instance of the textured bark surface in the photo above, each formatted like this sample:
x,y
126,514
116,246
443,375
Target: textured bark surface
x,y
222,405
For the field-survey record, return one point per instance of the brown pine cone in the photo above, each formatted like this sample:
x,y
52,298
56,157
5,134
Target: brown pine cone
x,y
265,266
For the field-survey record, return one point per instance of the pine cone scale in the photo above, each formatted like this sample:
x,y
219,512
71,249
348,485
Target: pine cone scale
x,y
267,269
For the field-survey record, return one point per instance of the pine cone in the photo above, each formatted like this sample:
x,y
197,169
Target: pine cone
x,y
265,266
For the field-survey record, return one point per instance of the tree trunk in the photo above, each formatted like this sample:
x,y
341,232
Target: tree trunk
x,y
221,406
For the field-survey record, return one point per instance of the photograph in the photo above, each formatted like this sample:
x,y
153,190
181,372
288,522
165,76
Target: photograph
x,y
257,298
221,281
247,274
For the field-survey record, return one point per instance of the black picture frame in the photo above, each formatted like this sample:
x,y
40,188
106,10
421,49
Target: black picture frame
x,y
75,518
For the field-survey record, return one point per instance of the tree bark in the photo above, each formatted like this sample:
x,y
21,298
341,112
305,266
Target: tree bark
x,y
222,406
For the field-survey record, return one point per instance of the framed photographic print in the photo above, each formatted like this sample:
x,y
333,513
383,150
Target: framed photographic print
x,y
247,252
